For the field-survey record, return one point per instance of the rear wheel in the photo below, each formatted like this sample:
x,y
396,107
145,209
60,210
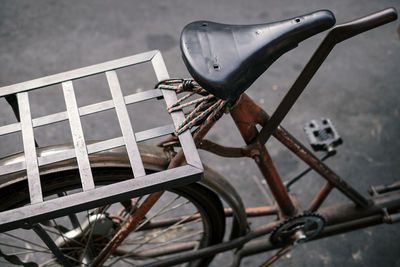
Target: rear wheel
x,y
184,219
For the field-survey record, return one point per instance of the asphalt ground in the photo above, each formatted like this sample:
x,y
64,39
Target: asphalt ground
x,y
357,88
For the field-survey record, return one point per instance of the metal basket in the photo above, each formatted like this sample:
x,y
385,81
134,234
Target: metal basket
x,y
93,196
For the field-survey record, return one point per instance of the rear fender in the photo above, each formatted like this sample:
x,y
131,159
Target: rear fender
x,y
154,158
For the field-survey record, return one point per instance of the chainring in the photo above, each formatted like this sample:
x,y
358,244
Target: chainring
x,y
311,224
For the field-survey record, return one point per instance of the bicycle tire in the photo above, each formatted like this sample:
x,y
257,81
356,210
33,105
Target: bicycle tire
x,y
207,202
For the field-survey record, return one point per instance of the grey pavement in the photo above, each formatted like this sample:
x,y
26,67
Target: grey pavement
x,y
357,88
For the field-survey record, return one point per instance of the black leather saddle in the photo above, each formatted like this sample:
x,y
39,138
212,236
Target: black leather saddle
x,y
226,59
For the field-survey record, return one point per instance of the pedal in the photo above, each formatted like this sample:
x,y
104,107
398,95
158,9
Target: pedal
x,y
322,135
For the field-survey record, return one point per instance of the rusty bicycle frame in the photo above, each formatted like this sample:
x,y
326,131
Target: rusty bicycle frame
x,y
382,207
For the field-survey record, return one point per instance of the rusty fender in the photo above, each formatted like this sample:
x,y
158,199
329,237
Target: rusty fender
x,y
154,158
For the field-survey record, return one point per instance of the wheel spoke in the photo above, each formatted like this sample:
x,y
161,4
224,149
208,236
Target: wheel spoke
x,y
89,240
157,213
47,263
24,240
64,236
27,252
128,262
163,231
174,240
59,231
160,232
131,242
161,213
24,248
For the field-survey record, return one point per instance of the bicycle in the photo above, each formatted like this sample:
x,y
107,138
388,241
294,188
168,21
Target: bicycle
x,y
114,165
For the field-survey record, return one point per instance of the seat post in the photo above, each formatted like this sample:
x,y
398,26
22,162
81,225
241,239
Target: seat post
x,y
247,114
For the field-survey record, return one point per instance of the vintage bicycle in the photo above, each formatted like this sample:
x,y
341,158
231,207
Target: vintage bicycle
x,y
119,202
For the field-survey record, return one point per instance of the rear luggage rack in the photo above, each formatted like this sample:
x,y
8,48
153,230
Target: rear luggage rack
x,y
92,196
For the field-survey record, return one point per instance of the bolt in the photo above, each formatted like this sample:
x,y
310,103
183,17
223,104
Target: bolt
x,y
299,236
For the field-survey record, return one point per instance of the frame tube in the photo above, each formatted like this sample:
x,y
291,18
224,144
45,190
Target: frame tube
x,y
246,123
